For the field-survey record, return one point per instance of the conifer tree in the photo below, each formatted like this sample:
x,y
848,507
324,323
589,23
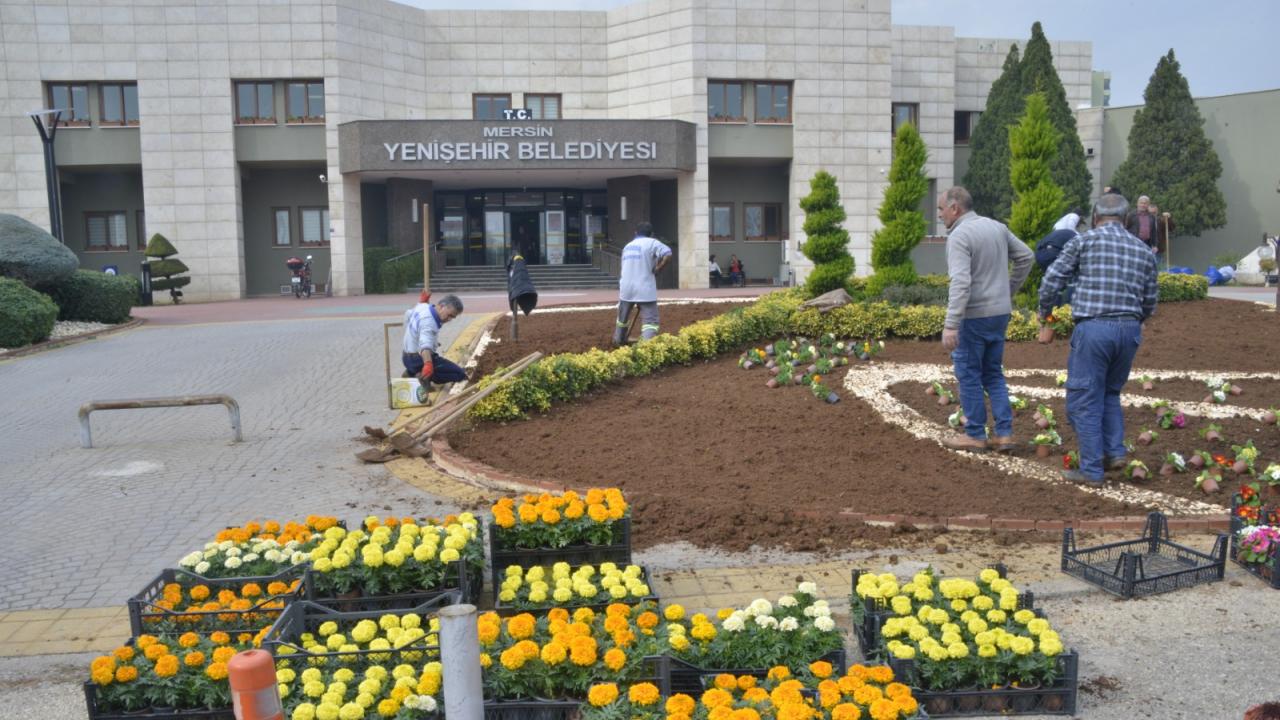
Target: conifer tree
x,y
827,243
987,178
903,225
1037,74
1039,201
1170,158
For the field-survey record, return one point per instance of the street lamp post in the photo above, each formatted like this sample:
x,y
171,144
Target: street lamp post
x,y
47,125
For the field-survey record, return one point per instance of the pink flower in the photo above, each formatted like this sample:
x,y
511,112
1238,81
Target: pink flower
x,y
1179,420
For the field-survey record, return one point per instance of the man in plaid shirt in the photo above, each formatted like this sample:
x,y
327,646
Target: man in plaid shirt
x,y
1115,292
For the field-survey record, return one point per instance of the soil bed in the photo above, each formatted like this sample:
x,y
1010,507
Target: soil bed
x,y
1259,394
1212,335
709,455
562,332
1184,441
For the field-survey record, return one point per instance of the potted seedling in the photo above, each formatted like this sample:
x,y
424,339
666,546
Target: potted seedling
x,y
751,358
1199,460
821,391
1271,476
1173,462
1136,470
1269,417
957,419
1207,481
1017,403
1213,433
1217,391
1044,417
869,349
1071,461
1146,437
1061,380
1246,456
1045,441
933,389
945,396
1148,383
1171,420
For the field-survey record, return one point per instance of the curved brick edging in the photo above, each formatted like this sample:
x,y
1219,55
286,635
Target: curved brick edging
x,y
71,339
446,460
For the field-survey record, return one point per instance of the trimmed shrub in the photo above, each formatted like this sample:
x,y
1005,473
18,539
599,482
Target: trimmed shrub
x,y
31,255
167,273
94,296
1175,287
26,316
386,277
881,320
920,294
828,242
902,223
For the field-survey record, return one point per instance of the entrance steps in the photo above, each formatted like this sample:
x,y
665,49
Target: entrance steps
x,y
489,278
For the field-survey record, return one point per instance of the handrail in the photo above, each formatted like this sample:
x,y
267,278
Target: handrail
x,y
401,257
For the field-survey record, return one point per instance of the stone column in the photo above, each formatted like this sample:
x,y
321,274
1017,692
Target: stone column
x,y
403,233
636,190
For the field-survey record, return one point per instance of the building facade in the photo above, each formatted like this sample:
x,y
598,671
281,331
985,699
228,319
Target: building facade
x,y
247,132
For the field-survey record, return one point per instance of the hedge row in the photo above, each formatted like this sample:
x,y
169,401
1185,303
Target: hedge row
x,y
915,322
93,296
568,376
26,316
1178,288
382,275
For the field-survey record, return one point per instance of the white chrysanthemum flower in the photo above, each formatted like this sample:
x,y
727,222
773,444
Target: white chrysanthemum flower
x,y
211,553
808,588
202,567
787,601
225,545
299,557
821,611
808,612
734,623
766,621
426,703
233,552
760,606
825,624
272,556
191,559
249,557
411,702
233,563
789,624
210,546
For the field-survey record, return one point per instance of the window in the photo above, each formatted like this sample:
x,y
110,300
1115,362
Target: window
x,y
315,226
773,102
106,231
544,107
489,107
280,220
305,102
73,101
763,222
721,222
142,230
905,113
118,104
966,121
255,103
724,101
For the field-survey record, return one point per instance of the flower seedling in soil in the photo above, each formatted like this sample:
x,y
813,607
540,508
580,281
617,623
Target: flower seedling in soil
x,y
1173,462
1199,460
1258,544
1044,417
1017,403
822,392
1207,481
945,396
870,349
1246,456
957,419
1146,437
1136,470
1213,433
1061,380
1269,417
1218,391
1071,461
1271,476
1044,439
1148,383
751,358
1171,420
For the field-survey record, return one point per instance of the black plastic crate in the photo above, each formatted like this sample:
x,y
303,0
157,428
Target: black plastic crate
x,y
461,580
305,616
99,713
618,552
683,677
1146,566
869,614
506,609
531,709
1266,572
144,611
1057,699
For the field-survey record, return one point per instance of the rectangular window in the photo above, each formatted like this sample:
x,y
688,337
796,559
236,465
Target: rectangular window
x,y
73,101
282,236
489,107
315,226
966,121
773,102
543,107
255,103
106,231
721,222
724,101
905,113
305,102
762,222
142,230
118,104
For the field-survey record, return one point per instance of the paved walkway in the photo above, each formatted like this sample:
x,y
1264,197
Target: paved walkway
x,y
1250,294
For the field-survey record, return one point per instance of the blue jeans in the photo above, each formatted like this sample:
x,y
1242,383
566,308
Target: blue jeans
x,y
978,360
442,370
1102,351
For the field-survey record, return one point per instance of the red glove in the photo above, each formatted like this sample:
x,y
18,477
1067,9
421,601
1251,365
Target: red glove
x,y
427,369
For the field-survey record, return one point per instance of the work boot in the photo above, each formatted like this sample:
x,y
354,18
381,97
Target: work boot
x,y
1002,443
423,392
1080,478
1114,463
960,441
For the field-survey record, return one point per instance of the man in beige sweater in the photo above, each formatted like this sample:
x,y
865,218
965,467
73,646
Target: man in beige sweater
x,y
979,251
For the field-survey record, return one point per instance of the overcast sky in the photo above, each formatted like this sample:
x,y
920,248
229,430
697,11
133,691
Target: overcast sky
x,y
1224,46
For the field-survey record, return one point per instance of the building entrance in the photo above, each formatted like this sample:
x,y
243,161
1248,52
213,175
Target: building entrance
x,y
526,236
547,227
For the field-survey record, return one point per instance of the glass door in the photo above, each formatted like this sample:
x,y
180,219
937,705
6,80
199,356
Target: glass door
x,y
495,237
553,232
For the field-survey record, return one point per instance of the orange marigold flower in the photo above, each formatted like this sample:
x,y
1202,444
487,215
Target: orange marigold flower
x,y
277,588
723,712
251,590
144,640
189,640
881,674
896,690
643,694
223,654
746,682
225,596
680,704
647,620
574,510
618,610
715,697
216,671
820,669
244,638
124,653
614,623
907,705
883,709
598,513
582,651
199,593
725,681
521,626
755,695
615,659
558,614
846,711
549,516
167,666
195,658
779,672
155,651
271,526
866,694
126,673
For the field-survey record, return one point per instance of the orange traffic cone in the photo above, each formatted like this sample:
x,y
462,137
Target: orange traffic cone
x,y
254,694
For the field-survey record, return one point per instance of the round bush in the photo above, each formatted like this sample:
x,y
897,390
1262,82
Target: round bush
x,y
94,296
26,316
31,255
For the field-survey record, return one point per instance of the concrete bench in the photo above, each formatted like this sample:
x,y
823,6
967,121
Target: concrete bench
x,y
233,408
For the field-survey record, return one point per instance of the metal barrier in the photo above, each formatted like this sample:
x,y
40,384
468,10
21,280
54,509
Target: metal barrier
x,y
233,408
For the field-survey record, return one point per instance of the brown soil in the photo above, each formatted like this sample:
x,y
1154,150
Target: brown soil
x,y
563,332
710,455
1184,441
1259,394
1225,335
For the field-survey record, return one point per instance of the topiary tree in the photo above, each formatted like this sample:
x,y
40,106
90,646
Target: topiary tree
x,y
1033,144
31,255
1170,158
1037,75
987,178
26,316
902,223
827,243
169,271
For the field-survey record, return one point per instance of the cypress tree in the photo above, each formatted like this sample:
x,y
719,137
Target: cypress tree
x,y
1170,158
1033,144
1037,74
903,224
827,243
987,178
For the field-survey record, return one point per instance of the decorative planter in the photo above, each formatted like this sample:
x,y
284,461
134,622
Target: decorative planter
x,y
1146,566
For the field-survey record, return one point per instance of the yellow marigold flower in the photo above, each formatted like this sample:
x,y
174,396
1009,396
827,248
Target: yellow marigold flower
x,y
615,659
745,714
678,643
715,697
866,694
846,711
223,654
554,653
154,652
644,694
575,509
598,513
755,695
485,661
820,669
216,671
795,711
167,666
127,673
779,672
723,613
602,694
725,681
194,658
512,659
880,673
549,516
582,651
674,612
521,626
189,640
680,704
388,708
907,705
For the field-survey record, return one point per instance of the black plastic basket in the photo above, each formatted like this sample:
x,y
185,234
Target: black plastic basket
x,y
1056,699
618,552
1268,572
143,608
305,616
505,609
531,709
99,713
460,580
683,677
1146,566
